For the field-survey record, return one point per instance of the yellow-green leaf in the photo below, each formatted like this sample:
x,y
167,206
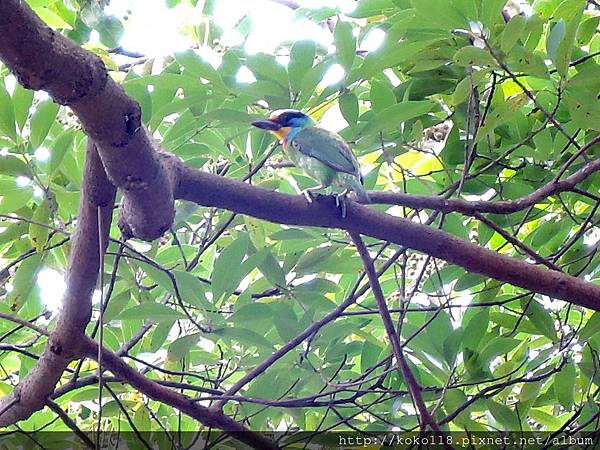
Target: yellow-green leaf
x,y
39,230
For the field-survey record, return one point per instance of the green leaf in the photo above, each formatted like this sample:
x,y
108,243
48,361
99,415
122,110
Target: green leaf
x,y
110,30
393,116
266,67
270,268
13,197
290,234
24,281
227,270
491,11
565,48
246,338
39,230
141,418
461,92
588,29
564,385
7,114
345,44
52,19
540,318
498,346
555,37
181,347
499,115
252,312
349,107
545,8
227,116
195,66
388,55
455,399
382,96
473,56
585,113
191,289
369,355
512,32
315,256
13,166
469,280
548,420
60,146
544,233
302,56
441,13
41,121
439,330
368,8
530,391
592,326
476,329
504,415
22,99
153,311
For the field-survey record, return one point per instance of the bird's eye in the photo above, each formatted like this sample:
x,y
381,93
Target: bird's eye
x,y
284,118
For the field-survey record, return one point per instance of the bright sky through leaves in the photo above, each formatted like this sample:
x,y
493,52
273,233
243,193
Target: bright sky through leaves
x,y
154,29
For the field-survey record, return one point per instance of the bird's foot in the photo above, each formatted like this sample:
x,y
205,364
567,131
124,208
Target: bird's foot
x,y
340,202
311,194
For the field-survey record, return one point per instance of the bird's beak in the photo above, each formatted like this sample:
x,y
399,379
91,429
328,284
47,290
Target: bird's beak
x,y
267,125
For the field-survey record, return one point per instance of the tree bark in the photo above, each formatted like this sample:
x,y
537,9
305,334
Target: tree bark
x,y
65,342
215,191
41,58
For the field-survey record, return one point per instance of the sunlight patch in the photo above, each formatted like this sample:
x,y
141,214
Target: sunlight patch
x,y
333,119
42,154
210,56
334,74
23,181
52,288
245,75
152,28
373,40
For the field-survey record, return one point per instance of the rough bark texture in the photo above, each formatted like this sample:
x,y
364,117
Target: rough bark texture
x,y
41,58
212,190
64,343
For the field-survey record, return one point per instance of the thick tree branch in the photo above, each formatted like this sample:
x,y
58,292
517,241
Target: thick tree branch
x,y
474,208
185,404
41,58
64,342
212,190
68,341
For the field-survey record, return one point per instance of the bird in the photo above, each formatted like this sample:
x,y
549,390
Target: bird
x,y
322,154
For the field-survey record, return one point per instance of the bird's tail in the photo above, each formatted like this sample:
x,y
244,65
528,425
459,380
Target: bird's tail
x,y
359,188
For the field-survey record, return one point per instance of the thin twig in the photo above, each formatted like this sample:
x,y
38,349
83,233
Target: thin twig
x,y
414,388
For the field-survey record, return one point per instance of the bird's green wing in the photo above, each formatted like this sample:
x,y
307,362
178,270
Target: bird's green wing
x,y
327,147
